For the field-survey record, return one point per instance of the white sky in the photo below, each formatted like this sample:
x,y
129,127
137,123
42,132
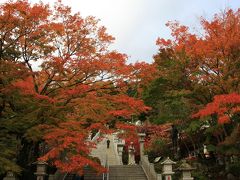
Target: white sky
x,y
136,24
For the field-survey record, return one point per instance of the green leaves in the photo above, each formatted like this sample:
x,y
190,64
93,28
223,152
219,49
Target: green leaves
x,y
8,150
194,126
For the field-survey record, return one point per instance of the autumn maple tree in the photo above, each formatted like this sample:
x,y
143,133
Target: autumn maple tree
x,y
206,58
225,111
197,87
59,82
195,67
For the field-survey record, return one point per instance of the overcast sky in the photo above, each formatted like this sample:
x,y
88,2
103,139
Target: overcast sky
x,y
136,24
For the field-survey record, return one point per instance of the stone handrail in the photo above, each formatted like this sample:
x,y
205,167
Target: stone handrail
x,y
149,170
97,135
106,174
116,142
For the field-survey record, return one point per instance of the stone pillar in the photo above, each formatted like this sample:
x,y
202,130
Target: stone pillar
x,y
167,169
131,156
10,176
115,138
120,151
41,170
159,176
141,143
186,171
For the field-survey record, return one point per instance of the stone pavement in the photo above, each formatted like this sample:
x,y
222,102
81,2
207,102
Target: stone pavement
x,y
103,153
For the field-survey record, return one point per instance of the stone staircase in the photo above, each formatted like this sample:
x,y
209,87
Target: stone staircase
x,y
126,172
116,170
89,174
104,153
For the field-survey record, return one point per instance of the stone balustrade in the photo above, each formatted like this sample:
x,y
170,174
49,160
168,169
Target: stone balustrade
x,y
149,169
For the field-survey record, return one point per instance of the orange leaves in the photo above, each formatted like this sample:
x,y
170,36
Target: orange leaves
x,y
69,141
131,102
223,32
26,87
81,86
208,59
112,64
224,106
57,27
78,90
22,29
223,119
156,132
183,40
127,127
178,31
103,36
219,38
129,134
76,164
66,135
121,113
162,43
143,72
26,11
126,106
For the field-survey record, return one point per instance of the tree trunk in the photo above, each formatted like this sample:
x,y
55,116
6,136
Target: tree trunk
x,y
28,154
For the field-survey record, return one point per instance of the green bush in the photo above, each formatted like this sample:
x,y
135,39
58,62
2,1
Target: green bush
x,y
235,169
199,175
158,148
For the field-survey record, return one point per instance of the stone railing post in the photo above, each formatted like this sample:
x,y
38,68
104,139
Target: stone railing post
x,y
131,157
141,143
159,176
120,151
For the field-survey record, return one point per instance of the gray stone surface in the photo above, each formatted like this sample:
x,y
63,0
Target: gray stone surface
x,y
102,152
126,172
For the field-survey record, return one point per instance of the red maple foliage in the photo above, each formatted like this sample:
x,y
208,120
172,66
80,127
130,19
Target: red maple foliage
x,y
80,85
69,148
156,132
207,57
224,106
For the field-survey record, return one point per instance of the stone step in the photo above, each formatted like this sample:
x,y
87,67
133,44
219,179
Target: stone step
x,y
89,174
86,177
102,152
127,178
126,166
69,177
126,172
125,169
133,171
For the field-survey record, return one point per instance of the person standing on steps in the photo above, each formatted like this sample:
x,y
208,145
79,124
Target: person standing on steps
x,y
108,143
